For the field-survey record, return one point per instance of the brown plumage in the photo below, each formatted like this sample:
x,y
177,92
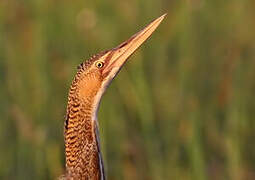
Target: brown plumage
x,y
82,146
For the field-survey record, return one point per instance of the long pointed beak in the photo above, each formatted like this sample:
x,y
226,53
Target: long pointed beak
x,y
119,55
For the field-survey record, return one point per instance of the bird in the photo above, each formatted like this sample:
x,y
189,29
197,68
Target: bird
x,y
81,128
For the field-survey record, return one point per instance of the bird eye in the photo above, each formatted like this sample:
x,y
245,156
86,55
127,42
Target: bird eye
x,y
99,64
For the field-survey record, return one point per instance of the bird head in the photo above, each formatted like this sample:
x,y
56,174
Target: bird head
x,y
98,72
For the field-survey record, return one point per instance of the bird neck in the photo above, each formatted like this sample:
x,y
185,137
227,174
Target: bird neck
x,y
82,146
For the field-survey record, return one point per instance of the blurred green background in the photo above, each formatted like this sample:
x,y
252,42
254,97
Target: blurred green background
x,y
182,108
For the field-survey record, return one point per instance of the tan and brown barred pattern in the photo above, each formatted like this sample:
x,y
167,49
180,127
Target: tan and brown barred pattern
x,y
82,152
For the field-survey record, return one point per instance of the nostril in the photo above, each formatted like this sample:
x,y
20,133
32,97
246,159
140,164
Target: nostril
x,y
123,44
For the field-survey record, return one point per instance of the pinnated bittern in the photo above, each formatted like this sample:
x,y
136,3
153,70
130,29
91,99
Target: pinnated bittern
x,y
82,146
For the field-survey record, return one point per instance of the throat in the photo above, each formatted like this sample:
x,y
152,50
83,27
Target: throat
x,y
82,145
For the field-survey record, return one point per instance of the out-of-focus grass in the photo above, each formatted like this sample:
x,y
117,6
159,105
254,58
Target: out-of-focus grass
x,y
182,108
